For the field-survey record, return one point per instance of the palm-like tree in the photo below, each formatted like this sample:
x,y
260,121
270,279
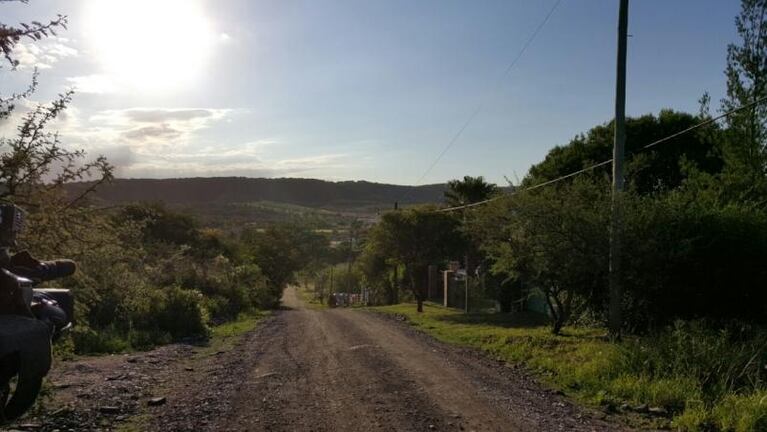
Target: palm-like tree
x,y
468,191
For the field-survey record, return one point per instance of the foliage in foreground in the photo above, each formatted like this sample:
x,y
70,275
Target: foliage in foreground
x,y
152,276
706,377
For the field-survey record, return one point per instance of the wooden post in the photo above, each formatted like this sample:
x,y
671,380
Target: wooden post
x,y
615,319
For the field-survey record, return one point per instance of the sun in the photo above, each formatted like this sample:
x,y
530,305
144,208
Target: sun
x,y
150,45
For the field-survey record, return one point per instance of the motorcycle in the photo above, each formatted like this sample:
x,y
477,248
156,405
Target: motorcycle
x,y
31,319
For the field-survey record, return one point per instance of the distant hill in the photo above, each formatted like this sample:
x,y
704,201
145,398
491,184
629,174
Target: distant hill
x,y
236,201
297,191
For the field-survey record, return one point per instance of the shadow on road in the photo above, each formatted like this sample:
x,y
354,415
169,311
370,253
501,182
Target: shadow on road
x,y
506,320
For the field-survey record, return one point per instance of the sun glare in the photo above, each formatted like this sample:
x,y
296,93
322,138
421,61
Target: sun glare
x,y
150,45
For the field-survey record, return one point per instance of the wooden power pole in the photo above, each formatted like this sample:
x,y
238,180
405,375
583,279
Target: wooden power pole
x,y
616,223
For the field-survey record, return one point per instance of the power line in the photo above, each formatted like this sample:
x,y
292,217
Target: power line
x,y
480,107
450,144
608,161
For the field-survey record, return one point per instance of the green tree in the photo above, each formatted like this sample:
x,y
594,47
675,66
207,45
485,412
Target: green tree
x,y
161,224
553,241
416,238
281,251
656,170
469,190
34,165
378,272
745,152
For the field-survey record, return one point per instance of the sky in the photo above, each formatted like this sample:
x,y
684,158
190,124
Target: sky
x,y
357,89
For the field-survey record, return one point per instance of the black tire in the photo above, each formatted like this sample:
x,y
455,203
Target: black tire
x,y
26,355
27,389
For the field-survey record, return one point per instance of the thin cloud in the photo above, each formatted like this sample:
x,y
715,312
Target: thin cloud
x,y
194,165
164,142
43,54
199,117
154,128
163,131
164,115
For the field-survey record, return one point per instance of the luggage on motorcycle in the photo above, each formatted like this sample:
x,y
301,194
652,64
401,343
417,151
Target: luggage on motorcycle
x,y
13,299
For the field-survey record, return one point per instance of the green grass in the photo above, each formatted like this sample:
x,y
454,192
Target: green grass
x,y
226,335
243,324
662,371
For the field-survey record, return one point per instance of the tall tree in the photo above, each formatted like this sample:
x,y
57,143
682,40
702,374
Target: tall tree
x,y
416,238
469,190
34,164
746,149
658,169
552,240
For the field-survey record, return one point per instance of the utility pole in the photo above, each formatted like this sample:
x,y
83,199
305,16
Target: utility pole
x,y
616,222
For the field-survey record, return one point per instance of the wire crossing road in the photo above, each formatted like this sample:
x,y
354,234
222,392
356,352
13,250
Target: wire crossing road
x,y
347,370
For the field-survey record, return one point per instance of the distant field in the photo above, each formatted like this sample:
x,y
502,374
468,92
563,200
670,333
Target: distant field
x,y
234,202
239,215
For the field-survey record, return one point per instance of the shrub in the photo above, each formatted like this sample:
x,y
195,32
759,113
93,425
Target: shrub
x,y
89,341
742,413
722,359
735,413
147,339
687,261
180,312
258,293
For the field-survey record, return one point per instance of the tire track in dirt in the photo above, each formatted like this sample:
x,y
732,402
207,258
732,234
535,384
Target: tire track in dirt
x,y
346,370
328,376
312,370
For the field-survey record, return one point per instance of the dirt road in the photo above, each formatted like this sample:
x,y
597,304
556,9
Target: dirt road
x,y
322,370
346,370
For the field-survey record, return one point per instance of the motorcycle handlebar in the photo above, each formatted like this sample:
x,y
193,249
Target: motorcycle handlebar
x,y
24,265
49,270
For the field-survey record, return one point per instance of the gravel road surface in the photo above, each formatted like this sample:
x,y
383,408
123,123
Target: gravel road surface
x,y
311,370
348,370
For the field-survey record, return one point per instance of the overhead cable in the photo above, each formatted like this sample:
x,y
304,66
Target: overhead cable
x,y
608,161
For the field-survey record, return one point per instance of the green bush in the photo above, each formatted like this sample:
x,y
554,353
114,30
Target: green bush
x,y
742,413
259,294
89,341
217,306
180,312
734,413
149,276
689,261
148,339
720,359
712,376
